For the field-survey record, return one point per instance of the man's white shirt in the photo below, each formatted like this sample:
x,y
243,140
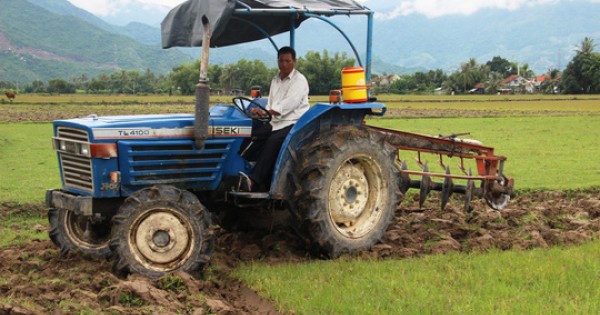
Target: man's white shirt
x,y
289,97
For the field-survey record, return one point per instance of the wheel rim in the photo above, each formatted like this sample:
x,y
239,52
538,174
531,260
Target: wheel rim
x,y
162,239
497,200
356,197
83,233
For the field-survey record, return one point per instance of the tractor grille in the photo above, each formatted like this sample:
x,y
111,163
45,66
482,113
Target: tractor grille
x,y
76,169
168,163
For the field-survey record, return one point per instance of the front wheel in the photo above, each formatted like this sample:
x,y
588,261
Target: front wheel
x,y
348,190
74,233
159,230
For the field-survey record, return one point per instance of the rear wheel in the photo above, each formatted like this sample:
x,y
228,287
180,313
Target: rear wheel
x,y
159,230
74,233
348,190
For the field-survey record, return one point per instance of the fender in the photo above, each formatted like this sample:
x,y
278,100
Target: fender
x,y
321,117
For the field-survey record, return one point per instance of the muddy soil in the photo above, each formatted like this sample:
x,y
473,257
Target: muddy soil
x,y
34,279
18,113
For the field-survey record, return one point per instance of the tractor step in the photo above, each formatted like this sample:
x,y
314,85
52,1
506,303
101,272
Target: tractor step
x,y
250,195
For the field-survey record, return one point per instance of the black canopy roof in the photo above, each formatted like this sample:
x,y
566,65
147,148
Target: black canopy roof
x,y
239,21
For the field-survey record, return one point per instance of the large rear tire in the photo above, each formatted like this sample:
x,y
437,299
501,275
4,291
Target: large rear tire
x,y
348,190
159,230
73,233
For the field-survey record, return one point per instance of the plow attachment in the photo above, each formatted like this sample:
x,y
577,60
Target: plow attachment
x,y
488,183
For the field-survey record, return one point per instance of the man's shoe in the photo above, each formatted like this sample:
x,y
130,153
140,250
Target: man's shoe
x,y
245,182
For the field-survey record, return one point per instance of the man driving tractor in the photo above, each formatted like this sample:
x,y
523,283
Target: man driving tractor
x,y
288,101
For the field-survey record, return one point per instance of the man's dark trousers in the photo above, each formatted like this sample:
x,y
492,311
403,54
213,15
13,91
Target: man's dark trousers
x,y
268,143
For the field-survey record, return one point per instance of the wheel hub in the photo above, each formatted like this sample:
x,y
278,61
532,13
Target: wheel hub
x,y
83,232
355,196
162,237
349,194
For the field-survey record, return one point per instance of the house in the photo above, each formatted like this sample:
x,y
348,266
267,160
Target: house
x,y
546,83
439,91
516,82
479,88
541,78
389,79
385,80
236,92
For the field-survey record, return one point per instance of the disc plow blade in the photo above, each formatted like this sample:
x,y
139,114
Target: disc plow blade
x,y
447,189
425,186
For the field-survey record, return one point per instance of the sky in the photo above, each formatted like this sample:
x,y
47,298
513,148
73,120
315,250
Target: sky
x,y
385,9
106,8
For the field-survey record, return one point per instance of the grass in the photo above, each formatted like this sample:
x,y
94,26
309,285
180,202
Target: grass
x,y
483,97
29,165
17,231
21,223
545,106
540,281
106,99
162,98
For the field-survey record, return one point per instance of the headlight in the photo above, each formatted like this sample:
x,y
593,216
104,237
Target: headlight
x,y
72,147
84,149
93,150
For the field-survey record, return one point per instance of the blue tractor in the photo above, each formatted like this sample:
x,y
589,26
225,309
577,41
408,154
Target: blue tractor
x,y
144,190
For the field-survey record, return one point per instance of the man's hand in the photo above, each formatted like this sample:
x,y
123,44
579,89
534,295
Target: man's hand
x,y
257,111
262,113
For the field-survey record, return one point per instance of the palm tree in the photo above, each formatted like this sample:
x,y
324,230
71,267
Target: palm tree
x,y
452,83
550,85
494,82
587,46
526,72
228,78
469,72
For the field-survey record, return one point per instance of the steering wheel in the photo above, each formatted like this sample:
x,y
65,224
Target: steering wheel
x,y
239,103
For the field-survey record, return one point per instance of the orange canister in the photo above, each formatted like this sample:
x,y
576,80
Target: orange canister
x,y
354,85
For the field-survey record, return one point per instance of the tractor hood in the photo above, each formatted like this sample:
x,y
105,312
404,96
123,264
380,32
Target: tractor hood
x,y
224,120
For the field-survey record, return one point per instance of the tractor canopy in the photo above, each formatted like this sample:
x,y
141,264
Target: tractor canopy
x,y
239,21
233,22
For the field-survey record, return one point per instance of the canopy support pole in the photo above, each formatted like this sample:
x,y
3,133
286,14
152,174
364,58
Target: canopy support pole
x,y
369,46
343,34
292,31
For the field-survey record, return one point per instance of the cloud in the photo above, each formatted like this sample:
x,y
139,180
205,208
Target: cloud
x,y
106,8
392,8
437,8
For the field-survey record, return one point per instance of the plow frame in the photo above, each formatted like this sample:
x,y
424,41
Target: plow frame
x,y
495,188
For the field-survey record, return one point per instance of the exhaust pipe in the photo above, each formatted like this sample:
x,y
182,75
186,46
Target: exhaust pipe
x,y
202,91
201,114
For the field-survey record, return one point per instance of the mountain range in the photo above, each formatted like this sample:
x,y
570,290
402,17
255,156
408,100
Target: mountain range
x,y
49,39
44,39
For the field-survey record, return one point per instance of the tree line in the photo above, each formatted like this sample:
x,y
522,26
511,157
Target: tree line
x,y
581,76
322,69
